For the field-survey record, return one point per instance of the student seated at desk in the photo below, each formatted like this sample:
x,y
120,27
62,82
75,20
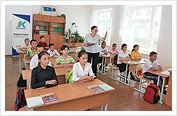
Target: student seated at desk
x,y
114,49
124,56
42,42
103,51
43,75
35,60
82,70
152,64
52,51
135,55
64,60
31,51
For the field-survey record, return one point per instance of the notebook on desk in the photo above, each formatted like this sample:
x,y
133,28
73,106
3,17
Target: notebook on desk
x,y
42,99
166,73
100,88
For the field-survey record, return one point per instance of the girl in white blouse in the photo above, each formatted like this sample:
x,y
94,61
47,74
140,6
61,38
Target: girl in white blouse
x,y
124,56
82,70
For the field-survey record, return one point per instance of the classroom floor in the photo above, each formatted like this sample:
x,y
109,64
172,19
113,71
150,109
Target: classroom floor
x,y
124,98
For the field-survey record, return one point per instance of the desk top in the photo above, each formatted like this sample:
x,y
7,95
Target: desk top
x,y
159,72
66,92
135,62
62,71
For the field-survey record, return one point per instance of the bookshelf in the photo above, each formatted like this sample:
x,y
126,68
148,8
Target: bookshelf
x,y
51,27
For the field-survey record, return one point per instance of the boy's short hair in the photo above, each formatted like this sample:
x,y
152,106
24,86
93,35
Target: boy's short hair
x,y
26,39
114,44
32,41
51,45
64,46
152,53
39,46
42,37
103,42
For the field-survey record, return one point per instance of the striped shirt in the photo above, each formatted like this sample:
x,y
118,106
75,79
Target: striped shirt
x,y
68,60
30,52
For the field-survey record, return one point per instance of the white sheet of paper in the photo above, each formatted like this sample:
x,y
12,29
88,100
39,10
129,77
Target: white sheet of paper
x,y
165,73
34,101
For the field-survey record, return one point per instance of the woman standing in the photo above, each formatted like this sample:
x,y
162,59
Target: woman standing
x,y
92,46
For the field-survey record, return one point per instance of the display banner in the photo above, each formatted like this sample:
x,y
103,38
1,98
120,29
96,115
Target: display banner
x,y
21,30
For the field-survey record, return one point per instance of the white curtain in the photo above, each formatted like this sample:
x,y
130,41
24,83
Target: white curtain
x,y
140,25
103,20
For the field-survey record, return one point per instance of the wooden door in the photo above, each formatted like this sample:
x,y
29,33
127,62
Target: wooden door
x,y
60,42
45,18
54,19
53,39
61,20
37,17
37,38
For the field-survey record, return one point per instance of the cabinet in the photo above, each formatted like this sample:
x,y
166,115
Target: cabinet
x,y
51,27
58,41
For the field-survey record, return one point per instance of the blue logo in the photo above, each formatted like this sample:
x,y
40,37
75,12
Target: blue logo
x,y
21,25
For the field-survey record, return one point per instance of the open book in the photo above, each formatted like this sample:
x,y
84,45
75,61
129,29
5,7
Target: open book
x,y
100,88
40,100
49,98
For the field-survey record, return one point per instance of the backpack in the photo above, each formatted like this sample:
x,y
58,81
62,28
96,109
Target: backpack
x,y
151,94
70,76
21,82
20,100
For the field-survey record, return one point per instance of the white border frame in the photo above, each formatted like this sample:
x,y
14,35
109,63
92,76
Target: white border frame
x,y
3,3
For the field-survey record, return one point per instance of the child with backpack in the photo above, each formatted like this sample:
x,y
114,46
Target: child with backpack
x,y
82,70
152,64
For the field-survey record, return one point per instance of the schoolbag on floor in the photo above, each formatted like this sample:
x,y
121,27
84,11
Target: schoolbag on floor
x,y
151,94
20,100
21,82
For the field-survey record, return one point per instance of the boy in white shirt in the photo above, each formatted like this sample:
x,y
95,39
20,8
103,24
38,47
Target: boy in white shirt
x,y
152,64
34,60
103,51
52,51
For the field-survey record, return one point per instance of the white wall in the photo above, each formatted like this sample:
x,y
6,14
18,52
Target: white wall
x,y
165,38
77,14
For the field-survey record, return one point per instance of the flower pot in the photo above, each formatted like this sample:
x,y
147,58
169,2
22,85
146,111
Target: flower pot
x,y
68,40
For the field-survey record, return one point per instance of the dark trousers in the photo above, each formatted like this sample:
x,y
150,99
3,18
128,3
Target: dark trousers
x,y
154,78
122,67
100,61
94,58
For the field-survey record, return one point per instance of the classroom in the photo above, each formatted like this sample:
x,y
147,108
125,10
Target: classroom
x,y
59,56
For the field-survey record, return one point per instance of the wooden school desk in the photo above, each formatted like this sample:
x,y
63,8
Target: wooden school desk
x,y
132,63
72,97
168,100
21,56
61,74
163,77
105,59
26,74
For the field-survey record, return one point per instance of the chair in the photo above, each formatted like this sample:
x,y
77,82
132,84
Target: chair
x,y
142,78
113,66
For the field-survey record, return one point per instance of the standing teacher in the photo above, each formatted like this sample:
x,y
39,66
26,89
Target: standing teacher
x,y
92,46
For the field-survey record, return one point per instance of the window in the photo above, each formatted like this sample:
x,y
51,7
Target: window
x,y
103,20
140,25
